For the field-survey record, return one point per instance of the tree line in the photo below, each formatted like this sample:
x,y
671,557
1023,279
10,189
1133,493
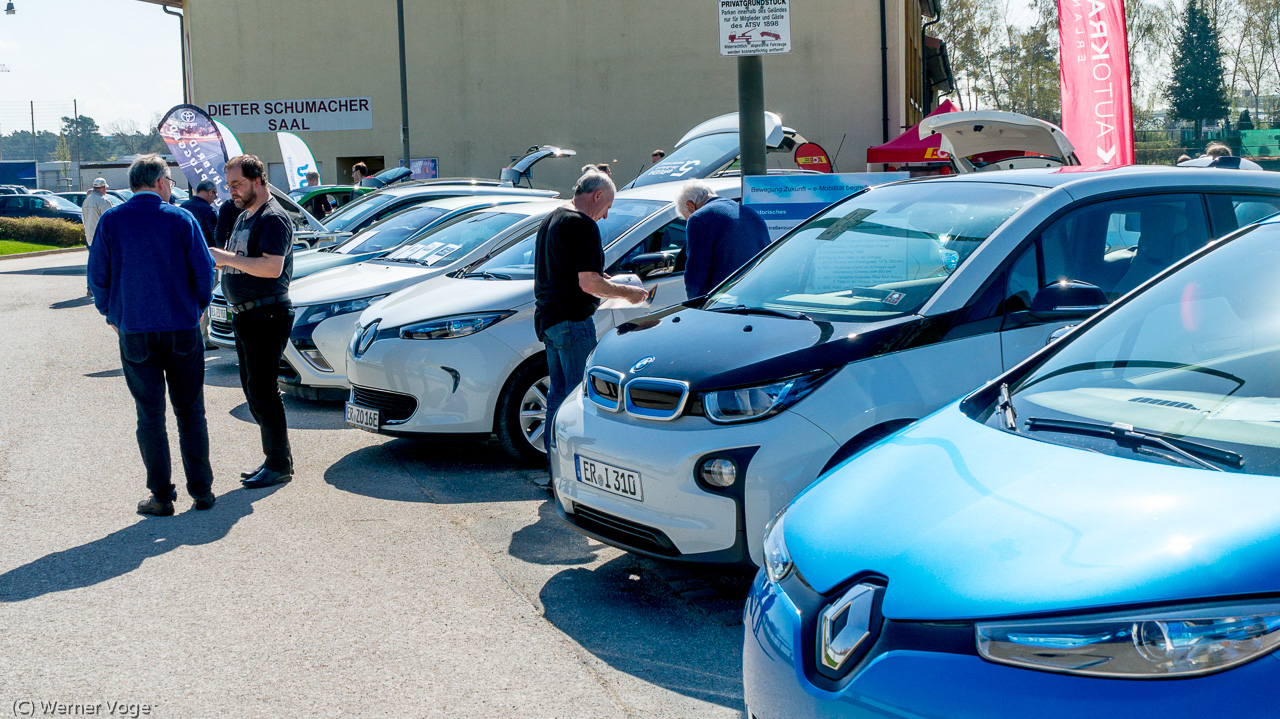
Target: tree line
x,y
1194,63
81,138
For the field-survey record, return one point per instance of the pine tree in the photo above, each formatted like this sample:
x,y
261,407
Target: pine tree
x,y
1197,91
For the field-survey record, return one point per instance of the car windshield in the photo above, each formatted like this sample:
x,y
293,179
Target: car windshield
x,y
516,261
356,212
1191,360
60,203
454,239
879,254
390,232
695,159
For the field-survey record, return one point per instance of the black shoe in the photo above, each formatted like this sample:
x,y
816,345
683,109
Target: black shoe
x,y
155,507
266,478
255,470
205,501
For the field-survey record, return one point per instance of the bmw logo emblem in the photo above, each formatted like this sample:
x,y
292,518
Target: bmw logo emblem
x,y
638,366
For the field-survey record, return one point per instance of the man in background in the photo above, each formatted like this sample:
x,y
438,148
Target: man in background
x,y
95,204
152,277
201,207
359,171
722,236
320,206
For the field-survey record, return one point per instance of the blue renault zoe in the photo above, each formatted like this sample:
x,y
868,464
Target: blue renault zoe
x,y
1096,533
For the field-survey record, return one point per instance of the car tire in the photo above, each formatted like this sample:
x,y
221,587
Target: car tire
x,y
517,424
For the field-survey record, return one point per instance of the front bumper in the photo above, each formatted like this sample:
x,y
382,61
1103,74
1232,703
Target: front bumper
x,y
304,378
455,382
952,683
221,333
678,518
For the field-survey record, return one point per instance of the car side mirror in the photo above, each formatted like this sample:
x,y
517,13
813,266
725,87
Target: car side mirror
x,y
1067,299
652,264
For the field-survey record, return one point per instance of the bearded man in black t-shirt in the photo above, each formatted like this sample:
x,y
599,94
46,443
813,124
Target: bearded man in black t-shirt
x,y
568,283
257,265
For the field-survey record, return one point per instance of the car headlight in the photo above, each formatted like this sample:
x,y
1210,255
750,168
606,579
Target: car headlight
x,y
1180,642
777,560
751,403
446,328
316,314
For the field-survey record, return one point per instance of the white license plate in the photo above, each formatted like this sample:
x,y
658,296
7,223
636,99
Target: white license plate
x,y
217,314
362,417
614,480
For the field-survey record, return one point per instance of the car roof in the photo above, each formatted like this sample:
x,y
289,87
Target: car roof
x,y
1082,181
458,202
668,191
460,188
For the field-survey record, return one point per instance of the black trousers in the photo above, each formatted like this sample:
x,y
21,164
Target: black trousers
x,y
261,334
151,361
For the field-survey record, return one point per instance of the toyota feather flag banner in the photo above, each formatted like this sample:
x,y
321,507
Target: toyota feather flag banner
x,y
194,141
1096,111
297,159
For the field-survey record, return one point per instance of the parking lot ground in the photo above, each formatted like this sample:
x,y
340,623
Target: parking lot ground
x,y
392,577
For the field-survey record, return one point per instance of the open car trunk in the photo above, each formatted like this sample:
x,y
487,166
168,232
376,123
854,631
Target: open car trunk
x,y
987,140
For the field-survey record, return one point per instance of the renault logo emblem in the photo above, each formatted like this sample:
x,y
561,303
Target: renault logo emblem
x,y
638,366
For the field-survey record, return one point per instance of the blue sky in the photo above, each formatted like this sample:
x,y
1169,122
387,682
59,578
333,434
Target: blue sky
x,y
119,59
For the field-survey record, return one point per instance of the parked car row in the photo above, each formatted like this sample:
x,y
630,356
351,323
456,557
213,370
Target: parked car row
x,y
815,416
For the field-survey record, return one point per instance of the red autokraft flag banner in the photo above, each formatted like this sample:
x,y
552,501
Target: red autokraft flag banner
x,y
194,141
1096,111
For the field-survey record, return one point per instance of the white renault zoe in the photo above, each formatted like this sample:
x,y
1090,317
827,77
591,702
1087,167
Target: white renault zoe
x,y
458,354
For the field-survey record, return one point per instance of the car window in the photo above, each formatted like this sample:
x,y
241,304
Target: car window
x,y
1230,212
695,159
517,260
453,240
878,254
60,203
355,213
668,238
391,232
1116,245
1192,358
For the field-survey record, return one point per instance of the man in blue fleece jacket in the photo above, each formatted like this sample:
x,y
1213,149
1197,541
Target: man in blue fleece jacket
x,y
152,276
722,236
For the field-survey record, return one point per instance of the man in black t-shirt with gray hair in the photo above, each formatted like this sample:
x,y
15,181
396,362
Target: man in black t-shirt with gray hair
x,y
257,265
568,282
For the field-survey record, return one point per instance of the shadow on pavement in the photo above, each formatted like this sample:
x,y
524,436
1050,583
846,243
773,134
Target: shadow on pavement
x,y
441,471
106,373
68,304
67,270
641,631
550,541
300,414
122,552
220,369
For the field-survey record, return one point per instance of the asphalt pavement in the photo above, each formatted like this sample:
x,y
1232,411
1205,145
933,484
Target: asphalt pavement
x,y
391,578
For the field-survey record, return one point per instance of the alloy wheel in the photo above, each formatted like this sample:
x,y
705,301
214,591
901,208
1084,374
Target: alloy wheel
x,y
533,413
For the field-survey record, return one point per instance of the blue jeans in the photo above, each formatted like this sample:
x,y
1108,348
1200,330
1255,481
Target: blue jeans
x,y
568,344
152,361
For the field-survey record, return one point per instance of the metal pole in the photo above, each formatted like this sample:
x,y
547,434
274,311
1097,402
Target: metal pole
x,y
404,86
884,73
35,161
75,112
751,114
182,45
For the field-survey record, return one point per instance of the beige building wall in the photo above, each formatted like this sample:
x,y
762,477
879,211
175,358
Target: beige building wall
x,y
489,78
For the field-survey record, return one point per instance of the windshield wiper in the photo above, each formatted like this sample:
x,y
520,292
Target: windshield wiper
x,y
1004,405
744,310
1122,432
488,275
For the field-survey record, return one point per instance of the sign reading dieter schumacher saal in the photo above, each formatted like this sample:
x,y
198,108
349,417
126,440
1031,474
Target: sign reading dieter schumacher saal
x,y
332,113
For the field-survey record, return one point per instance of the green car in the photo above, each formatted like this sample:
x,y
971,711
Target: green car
x,y
324,199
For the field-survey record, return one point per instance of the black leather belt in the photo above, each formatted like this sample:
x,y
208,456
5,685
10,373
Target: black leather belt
x,y
260,302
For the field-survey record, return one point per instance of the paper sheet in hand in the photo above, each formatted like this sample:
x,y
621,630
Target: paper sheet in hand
x,y
617,303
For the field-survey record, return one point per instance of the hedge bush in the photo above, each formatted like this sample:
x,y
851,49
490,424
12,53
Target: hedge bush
x,y
42,231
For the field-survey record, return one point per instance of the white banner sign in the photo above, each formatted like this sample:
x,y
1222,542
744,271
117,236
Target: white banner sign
x,y
754,27
333,113
297,159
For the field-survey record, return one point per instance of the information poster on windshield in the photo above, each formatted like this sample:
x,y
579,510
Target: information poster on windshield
x,y
785,201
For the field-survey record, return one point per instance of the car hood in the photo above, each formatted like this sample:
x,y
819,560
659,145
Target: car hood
x,y
445,296
715,350
365,279
966,521
313,261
